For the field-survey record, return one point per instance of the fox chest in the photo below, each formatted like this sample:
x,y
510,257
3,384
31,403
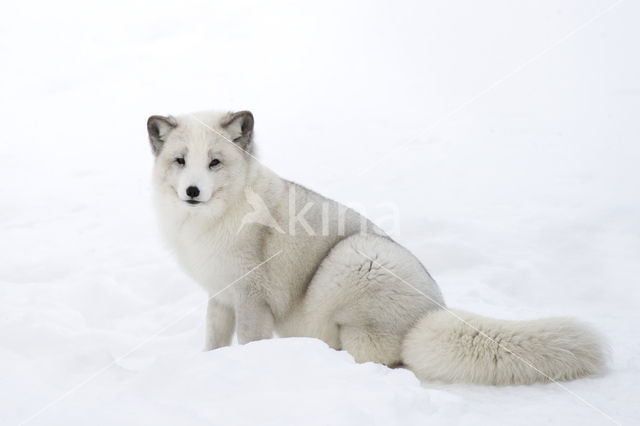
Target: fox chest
x,y
209,262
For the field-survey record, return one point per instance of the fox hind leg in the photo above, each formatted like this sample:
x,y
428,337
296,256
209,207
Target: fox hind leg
x,y
367,344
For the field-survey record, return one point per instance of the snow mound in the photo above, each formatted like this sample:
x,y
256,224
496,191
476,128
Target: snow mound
x,y
280,381
291,381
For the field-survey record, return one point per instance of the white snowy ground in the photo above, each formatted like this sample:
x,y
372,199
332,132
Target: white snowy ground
x,y
505,144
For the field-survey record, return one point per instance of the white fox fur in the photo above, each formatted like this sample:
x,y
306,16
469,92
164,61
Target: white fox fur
x,y
459,346
312,267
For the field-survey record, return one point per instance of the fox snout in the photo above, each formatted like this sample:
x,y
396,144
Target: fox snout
x,y
192,191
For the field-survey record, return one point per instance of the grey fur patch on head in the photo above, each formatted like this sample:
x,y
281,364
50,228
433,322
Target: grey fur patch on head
x,y
240,125
158,127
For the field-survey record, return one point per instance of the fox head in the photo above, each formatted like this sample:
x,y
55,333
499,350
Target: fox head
x,y
203,160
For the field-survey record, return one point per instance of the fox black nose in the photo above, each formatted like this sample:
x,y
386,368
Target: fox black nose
x,y
193,191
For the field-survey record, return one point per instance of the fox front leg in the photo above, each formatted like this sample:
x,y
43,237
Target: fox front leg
x,y
254,319
219,326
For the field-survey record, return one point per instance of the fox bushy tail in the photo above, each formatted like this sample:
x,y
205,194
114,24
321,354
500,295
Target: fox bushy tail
x,y
457,346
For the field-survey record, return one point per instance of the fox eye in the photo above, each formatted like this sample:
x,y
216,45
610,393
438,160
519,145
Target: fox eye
x,y
180,160
214,163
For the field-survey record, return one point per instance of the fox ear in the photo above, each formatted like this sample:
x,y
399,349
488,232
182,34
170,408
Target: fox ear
x,y
240,126
158,128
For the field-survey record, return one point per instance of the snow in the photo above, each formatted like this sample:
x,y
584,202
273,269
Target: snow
x,y
491,139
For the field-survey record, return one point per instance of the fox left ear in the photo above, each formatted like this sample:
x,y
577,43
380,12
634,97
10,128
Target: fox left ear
x,y
158,128
240,126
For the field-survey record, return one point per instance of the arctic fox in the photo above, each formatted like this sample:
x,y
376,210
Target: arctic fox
x,y
277,257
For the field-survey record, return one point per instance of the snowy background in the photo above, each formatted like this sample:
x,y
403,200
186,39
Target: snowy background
x,y
504,135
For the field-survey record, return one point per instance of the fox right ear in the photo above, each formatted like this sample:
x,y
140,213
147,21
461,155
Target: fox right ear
x,y
158,128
